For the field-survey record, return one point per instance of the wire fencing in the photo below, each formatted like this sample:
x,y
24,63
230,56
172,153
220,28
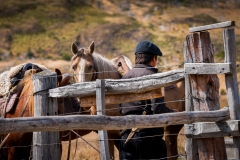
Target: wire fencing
x,y
80,112
113,109
93,143
111,71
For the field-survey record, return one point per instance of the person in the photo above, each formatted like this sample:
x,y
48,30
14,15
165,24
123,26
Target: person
x,y
143,143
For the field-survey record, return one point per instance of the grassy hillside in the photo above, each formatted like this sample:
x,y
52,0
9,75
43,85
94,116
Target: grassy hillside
x,y
42,31
45,30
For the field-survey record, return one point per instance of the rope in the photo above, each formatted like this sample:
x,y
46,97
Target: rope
x,y
4,140
180,155
69,147
85,141
75,149
66,134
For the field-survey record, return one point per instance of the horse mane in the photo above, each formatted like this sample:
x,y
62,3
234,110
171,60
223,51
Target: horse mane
x,y
105,68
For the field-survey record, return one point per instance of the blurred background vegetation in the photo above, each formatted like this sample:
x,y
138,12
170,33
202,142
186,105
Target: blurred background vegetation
x,y
44,30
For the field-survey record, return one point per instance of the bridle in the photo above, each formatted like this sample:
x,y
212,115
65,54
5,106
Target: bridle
x,y
95,71
94,75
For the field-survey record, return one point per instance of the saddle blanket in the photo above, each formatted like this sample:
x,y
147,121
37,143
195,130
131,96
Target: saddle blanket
x,y
5,77
8,99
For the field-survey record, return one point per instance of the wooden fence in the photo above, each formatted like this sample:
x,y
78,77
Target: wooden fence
x,y
205,123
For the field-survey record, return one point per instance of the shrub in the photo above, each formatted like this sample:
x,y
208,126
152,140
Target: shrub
x,y
66,57
29,54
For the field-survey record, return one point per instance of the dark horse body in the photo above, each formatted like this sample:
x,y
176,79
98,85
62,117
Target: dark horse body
x,y
89,66
18,145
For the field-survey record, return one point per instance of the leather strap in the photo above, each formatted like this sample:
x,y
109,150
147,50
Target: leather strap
x,y
134,130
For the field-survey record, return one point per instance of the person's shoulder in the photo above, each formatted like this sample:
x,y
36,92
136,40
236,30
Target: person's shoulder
x,y
128,75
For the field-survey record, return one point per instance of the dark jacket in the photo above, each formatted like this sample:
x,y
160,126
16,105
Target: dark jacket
x,y
151,106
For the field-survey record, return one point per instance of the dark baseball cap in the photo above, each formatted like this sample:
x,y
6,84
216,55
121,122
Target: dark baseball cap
x,y
147,47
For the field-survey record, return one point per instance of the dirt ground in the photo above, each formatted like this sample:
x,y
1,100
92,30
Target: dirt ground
x,y
86,152
83,151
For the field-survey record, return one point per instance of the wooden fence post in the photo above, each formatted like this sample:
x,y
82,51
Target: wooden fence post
x,y
205,92
46,145
102,134
191,143
232,83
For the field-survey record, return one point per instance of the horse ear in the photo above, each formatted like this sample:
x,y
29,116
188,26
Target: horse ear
x,y
59,75
91,47
65,81
74,48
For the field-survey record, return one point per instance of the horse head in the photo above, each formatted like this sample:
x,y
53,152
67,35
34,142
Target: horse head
x,y
82,63
88,65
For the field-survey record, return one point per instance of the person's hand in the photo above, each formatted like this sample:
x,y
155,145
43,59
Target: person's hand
x,y
175,110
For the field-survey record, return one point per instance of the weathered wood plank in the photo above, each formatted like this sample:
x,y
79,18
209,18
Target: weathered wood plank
x,y
207,68
191,144
205,92
121,86
232,83
231,79
191,149
212,26
95,122
43,105
102,134
211,129
116,99
236,146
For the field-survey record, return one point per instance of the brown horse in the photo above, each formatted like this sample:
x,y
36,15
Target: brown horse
x,y
20,139
18,145
89,66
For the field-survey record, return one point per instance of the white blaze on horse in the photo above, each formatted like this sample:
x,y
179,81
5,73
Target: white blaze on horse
x,y
89,66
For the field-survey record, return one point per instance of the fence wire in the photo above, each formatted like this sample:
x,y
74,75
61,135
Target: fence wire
x,y
110,110
84,141
92,141
73,74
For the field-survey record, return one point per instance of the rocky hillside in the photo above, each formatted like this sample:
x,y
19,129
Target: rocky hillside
x,y
44,29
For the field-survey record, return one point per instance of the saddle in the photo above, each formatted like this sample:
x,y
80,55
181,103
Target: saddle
x,y
9,99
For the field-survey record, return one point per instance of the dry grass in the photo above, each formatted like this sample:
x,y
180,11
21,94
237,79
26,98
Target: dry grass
x,y
84,151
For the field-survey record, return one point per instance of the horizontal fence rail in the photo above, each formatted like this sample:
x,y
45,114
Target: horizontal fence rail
x,y
211,129
207,68
90,122
213,26
122,86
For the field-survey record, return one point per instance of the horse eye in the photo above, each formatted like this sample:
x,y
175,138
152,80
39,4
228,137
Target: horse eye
x,y
90,66
74,67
